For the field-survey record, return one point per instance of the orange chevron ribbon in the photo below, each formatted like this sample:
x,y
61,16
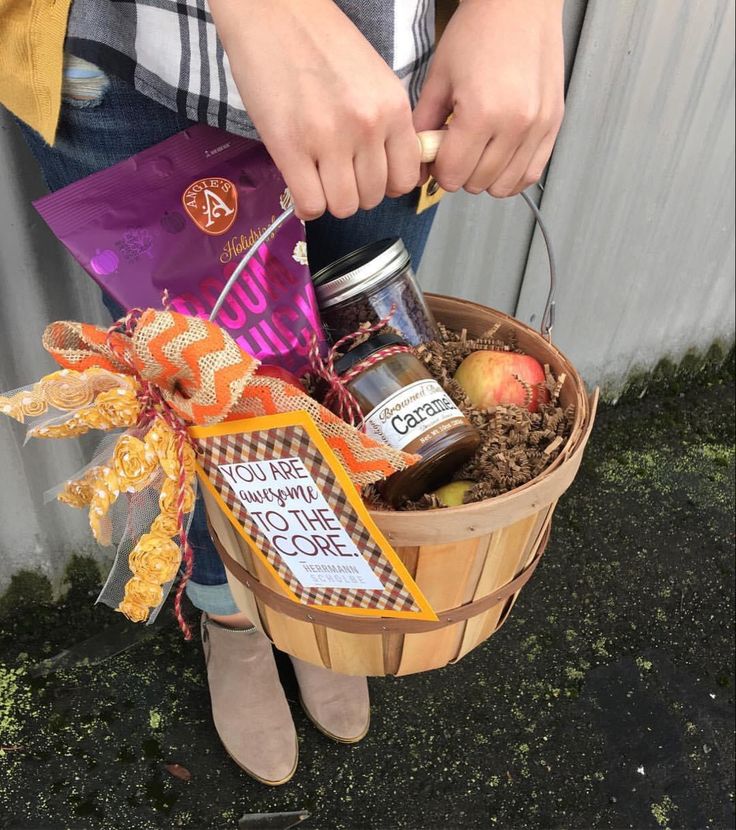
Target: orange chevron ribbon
x,y
206,378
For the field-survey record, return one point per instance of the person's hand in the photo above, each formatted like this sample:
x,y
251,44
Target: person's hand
x,y
334,117
499,69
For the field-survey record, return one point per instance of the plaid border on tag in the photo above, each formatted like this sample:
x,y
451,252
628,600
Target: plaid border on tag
x,y
285,442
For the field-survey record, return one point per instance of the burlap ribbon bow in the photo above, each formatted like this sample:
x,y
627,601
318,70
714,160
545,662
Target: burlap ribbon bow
x,y
205,378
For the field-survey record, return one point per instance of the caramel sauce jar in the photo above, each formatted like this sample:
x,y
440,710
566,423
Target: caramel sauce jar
x,y
404,406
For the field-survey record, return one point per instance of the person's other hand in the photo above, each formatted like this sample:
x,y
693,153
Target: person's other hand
x,y
334,117
499,69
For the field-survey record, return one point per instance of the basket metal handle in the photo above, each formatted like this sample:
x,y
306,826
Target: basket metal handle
x,y
429,144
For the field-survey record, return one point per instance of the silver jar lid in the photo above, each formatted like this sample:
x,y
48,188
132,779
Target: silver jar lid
x,y
360,271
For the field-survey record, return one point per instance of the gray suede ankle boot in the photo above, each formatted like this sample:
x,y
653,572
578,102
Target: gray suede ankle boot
x,y
337,704
249,707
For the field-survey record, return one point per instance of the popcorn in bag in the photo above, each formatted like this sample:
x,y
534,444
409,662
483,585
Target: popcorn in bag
x,y
174,220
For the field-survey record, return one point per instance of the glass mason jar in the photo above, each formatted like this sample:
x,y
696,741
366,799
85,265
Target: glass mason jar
x,y
364,285
404,406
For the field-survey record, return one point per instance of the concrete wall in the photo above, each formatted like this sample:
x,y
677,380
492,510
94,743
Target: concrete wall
x,y
38,283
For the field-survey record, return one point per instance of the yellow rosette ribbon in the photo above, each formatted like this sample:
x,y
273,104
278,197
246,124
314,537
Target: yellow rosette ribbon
x,y
155,558
154,561
134,463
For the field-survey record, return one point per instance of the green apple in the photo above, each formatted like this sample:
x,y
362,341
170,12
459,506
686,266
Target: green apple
x,y
452,495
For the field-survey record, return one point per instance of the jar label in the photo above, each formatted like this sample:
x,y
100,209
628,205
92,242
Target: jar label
x,y
413,416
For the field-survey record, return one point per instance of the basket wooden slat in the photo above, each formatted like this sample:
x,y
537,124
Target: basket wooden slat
x,y
435,649
502,566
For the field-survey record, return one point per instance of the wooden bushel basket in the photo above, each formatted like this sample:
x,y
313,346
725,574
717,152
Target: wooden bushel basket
x,y
469,561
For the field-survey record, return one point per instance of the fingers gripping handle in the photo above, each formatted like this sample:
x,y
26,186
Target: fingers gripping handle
x,y
430,142
429,145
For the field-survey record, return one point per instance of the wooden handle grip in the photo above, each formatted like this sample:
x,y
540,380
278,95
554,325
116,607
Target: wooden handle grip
x,y
429,144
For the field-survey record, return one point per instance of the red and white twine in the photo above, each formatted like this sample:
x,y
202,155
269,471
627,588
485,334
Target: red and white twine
x,y
338,398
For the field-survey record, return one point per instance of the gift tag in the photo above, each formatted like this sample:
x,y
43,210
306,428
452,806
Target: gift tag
x,y
287,495
430,194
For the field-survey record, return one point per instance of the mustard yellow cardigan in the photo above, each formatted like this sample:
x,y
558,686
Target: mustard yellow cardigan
x,y
31,59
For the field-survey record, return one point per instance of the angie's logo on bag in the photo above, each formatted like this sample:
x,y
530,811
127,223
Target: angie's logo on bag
x,y
212,204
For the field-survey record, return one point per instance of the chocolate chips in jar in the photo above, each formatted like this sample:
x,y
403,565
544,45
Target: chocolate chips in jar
x,y
364,286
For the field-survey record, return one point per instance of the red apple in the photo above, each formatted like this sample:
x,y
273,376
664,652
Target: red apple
x,y
492,378
280,374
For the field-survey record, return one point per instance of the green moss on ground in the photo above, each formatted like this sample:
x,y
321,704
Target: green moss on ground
x,y
27,590
82,579
15,704
31,591
663,812
716,365
606,700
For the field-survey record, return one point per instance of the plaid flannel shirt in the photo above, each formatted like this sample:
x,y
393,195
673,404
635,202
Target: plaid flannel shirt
x,y
169,50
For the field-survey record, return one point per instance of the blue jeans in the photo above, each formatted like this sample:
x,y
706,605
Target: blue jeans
x,y
123,122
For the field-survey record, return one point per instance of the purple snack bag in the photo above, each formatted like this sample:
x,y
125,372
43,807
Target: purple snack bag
x,y
177,218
